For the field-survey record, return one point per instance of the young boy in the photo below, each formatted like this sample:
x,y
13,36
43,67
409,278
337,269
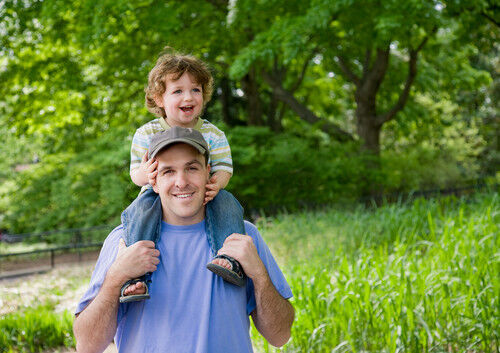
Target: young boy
x,y
179,86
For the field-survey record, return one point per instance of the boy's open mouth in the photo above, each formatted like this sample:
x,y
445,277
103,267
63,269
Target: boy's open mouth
x,y
187,108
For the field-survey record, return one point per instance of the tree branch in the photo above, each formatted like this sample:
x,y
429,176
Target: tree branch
x,y
412,73
302,111
303,71
350,75
484,14
374,77
219,4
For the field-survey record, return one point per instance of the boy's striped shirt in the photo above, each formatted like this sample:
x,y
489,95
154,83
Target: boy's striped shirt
x,y
220,152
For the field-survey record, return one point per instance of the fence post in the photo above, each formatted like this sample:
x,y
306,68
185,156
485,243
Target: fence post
x,y
78,241
52,262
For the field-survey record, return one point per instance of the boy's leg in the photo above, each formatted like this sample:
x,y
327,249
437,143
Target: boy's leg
x,y
224,216
141,221
142,218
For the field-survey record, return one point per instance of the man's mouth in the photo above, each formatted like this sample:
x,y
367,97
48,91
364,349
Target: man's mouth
x,y
184,195
187,108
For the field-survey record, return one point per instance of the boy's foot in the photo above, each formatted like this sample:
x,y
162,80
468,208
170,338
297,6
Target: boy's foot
x,y
134,290
229,269
222,262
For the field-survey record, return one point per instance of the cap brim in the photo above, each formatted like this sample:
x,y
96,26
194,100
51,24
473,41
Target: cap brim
x,y
164,144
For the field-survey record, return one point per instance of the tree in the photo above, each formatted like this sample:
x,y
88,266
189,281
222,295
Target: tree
x,y
374,45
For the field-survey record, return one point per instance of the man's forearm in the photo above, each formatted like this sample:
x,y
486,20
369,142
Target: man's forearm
x,y
95,326
273,315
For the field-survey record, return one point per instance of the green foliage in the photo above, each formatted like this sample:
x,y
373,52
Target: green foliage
x,y
35,330
421,277
73,74
287,171
70,190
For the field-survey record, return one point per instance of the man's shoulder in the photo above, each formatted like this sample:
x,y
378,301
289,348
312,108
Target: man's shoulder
x,y
250,228
114,236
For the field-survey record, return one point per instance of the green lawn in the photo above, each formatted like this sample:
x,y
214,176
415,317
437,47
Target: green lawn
x,y
417,277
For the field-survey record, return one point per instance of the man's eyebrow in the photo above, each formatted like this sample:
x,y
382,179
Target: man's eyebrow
x,y
161,169
194,161
166,167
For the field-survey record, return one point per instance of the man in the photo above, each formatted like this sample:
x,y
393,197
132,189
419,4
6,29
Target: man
x,y
191,309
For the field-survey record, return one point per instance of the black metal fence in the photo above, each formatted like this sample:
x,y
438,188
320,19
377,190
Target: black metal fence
x,y
77,241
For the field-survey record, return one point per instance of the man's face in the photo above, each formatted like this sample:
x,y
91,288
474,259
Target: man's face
x,y
181,180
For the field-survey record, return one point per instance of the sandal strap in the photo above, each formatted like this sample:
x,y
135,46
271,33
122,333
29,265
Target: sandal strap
x,y
235,265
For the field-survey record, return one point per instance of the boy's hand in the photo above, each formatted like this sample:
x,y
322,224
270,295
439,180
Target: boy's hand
x,y
147,169
212,189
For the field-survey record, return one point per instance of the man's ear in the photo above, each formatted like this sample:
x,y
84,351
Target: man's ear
x,y
155,186
208,172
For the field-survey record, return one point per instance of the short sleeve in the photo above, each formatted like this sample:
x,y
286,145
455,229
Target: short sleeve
x,y
106,258
140,144
277,277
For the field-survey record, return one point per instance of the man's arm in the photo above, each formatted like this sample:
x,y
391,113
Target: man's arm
x,y
273,315
95,326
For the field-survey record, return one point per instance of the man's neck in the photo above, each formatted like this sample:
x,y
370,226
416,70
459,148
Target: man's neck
x,y
183,221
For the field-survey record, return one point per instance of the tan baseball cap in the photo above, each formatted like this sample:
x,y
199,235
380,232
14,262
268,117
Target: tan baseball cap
x,y
178,134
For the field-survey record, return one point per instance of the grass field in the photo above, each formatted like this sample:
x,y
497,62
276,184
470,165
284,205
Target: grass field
x,y
422,277
417,277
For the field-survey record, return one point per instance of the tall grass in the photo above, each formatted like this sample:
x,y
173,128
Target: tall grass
x,y
422,277
35,329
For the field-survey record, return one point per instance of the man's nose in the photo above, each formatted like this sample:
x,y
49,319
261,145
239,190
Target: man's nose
x,y
181,180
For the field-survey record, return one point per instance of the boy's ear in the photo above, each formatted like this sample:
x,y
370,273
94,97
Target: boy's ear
x,y
158,101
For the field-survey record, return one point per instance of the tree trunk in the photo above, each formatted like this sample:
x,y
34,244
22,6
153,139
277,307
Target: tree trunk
x,y
274,117
251,89
226,102
366,121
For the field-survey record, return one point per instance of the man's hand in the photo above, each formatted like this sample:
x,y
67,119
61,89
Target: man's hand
x,y
135,260
242,248
146,173
212,189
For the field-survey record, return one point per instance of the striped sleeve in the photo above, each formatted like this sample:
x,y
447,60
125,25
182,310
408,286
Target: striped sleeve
x,y
141,141
220,152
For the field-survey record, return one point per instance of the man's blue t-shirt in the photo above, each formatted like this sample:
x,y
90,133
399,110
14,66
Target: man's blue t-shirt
x,y
191,309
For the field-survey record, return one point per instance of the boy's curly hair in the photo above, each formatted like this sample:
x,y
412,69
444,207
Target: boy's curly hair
x,y
172,63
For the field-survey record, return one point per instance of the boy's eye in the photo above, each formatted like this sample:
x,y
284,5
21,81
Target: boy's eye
x,y
177,91
196,90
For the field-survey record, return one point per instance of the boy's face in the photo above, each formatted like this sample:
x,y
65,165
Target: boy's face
x,y
182,100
